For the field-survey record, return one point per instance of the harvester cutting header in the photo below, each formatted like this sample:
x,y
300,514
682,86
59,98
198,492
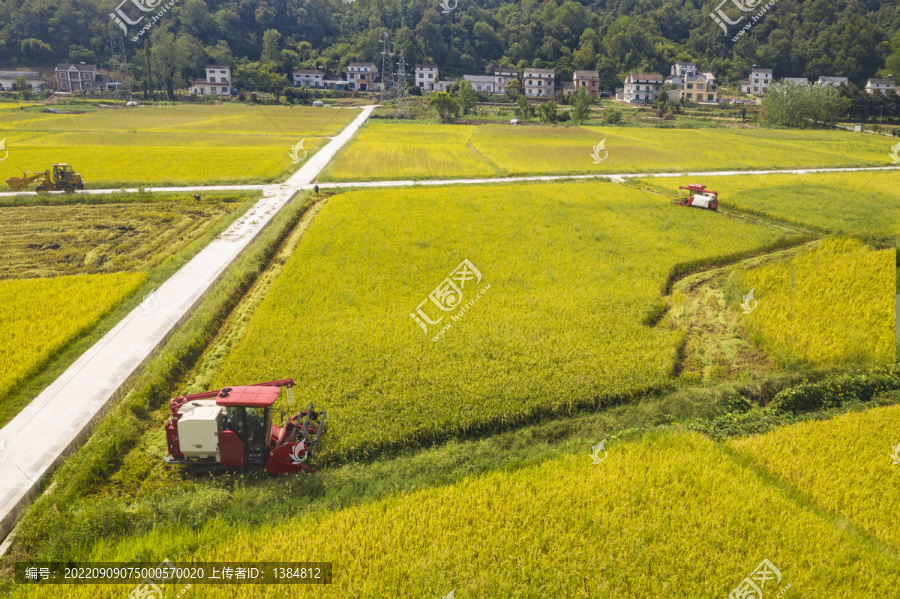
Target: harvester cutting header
x,y
232,427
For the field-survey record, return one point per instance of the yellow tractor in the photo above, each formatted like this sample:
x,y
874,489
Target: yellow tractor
x,y
64,179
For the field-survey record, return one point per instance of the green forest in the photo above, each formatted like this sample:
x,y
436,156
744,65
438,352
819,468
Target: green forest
x,y
852,38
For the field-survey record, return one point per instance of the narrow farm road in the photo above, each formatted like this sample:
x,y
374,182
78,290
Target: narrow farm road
x,y
300,180
59,419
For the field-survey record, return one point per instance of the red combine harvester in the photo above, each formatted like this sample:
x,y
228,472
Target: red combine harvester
x,y
699,197
232,427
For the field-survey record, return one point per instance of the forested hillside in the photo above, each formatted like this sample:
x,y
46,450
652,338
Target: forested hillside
x,y
853,38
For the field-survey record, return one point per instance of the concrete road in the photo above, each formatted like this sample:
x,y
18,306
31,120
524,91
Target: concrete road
x,y
60,418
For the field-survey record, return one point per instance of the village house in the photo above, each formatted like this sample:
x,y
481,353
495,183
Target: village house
x,y
700,88
589,81
426,76
835,81
879,86
32,78
539,82
217,82
503,77
311,78
482,83
679,71
641,88
758,82
83,77
361,76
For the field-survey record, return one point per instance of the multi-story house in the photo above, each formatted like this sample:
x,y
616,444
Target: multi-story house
x,y
32,78
502,78
758,82
311,78
539,82
483,83
361,76
641,88
879,86
426,76
700,88
217,82
82,77
589,81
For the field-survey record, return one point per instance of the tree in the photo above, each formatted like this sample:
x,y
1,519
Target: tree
x,y
794,105
581,107
522,108
466,96
81,54
446,105
512,88
270,53
548,112
612,115
36,49
259,77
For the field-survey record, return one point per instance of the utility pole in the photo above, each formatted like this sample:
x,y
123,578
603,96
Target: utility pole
x,y
118,61
386,64
402,92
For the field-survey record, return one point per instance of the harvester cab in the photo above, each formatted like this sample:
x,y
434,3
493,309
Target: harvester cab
x,y
232,427
698,197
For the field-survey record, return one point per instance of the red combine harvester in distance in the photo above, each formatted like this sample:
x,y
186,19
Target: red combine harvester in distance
x,y
232,427
699,197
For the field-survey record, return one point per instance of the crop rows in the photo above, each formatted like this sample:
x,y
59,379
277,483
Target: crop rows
x,y
40,316
167,145
573,270
830,306
844,465
668,516
383,151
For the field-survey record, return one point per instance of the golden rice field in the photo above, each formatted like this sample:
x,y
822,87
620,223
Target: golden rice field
x,y
168,145
667,516
384,151
843,465
572,269
856,203
40,316
52,240
830,306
